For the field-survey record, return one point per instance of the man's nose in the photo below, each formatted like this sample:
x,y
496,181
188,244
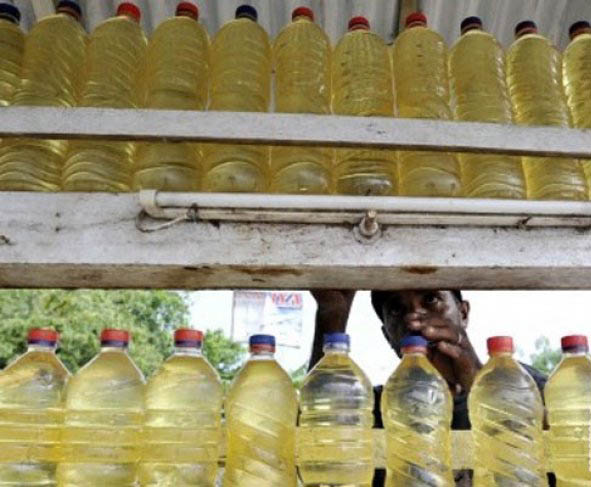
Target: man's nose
x,y
415,313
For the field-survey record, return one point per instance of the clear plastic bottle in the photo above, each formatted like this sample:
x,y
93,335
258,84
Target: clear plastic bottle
x,y
417,410
506,413
479,93
261,412
52,75
362,86
301,55
568,400
31,412
576,69
104,415
114,68
335,446
177,76
182,427
241,82
12,46
420,59
534,76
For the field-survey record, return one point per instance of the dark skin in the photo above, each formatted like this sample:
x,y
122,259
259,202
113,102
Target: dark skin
x,y
437,315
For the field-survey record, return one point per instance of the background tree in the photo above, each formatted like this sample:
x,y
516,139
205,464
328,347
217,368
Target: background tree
x,y
80,315
545,357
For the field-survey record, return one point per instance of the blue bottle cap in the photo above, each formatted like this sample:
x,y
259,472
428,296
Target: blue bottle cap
x,y
414,341
247,12
525,27
10,12
335,338
471,23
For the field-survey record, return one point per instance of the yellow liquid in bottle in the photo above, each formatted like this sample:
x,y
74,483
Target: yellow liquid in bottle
x,y
261,413
182,431
31,415
52,75
506,414
12,46
240,81
103,425
176,78
568,400
576,70
534,77
479,94
362,86
302,85
335,445
115,59
422,91
417,411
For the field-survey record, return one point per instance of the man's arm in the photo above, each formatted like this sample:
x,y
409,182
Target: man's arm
x,y
331,317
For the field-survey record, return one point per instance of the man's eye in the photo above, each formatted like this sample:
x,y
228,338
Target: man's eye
x,y
431,298
394,309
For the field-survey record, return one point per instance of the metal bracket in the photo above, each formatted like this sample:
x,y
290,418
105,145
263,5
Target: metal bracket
x,y
368,230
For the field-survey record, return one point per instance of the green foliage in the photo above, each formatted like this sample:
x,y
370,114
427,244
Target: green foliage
x,y
80,315
298,375
545,358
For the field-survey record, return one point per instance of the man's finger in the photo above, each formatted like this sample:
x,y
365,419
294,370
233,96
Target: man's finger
x,y
441,334
453,351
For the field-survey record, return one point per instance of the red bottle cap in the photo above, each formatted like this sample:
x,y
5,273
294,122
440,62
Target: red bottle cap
x,y
42,335
114,336
302,12
359,23
574,343
130,10
188,336
415,19
187,9
500,345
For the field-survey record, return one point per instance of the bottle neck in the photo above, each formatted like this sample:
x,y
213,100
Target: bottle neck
x,y
501,354
192,351
113,348
578,352
338,348
262,355
36,347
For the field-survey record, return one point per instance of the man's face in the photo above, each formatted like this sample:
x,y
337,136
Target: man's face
x,y
404,311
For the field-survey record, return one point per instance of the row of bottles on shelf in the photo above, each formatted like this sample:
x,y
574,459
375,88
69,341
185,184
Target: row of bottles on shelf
x,y
180,69
106,426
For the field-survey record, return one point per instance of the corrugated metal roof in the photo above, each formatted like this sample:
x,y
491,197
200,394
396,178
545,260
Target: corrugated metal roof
x,y
499,16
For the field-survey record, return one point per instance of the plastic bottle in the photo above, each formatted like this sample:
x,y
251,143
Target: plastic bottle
x,y
420,61
116,58
182,427
302,85
177,76
31,408
362,86
104,416
576,70
506,413
417,410
479,94
335,446
534,76
241,82
261,412
568,400
52,75
12,46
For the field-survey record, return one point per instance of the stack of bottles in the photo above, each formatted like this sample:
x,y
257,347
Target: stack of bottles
x,y
107,426
57,64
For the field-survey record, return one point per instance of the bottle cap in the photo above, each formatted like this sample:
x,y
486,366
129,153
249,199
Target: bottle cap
x,y
187,9
413,343
261,343
416,19
69,7
10,12
302,12
471,23
500,345
359,23
247,12
111,337
525,27
580,27
42,336
336,338
130,10
189,338
574,343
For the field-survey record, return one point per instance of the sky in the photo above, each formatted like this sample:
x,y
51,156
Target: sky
x,y
525,315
